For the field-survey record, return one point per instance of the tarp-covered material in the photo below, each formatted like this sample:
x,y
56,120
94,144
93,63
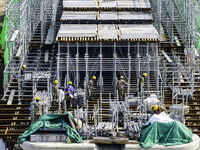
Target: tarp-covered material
x,y
168,134
52,121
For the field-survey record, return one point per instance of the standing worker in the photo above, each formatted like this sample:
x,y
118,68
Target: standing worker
x,y
120,86
21,77
55,92
36,109
69,95
141,82
91,87
22,69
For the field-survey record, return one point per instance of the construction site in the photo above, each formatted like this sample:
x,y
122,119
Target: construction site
x,y
76,42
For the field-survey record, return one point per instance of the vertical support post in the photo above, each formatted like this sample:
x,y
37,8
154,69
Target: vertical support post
x,y
193,44
148,67
172,22
129,70
115,69
58,63
138,68
67,63
101,79
87,77
77,67
42,21
159,14
157,65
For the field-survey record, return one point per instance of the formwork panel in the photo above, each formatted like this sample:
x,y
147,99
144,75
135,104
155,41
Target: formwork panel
x,y
107,4
108,15
134,16
77,30
107,31
138,31
77,15
79,4
142,4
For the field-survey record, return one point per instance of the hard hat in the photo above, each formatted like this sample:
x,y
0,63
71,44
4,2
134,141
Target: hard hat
x,y
56,81
121,77
24,66
38,98
145,74
70,82
155,107
152,107
94,77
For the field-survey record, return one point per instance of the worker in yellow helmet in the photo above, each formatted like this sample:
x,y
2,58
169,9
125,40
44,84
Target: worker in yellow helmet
x,y
22,68
120,86
55,92
36,109
157,109
69,94
90,87
141,81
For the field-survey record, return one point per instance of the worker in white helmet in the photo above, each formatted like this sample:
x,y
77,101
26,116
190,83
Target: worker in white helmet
x,y
120,86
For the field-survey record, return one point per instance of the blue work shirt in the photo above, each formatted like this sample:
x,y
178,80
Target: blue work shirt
x,y
69,90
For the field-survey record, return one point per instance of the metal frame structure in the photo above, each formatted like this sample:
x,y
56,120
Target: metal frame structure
x,y
79,61
23,19
129,59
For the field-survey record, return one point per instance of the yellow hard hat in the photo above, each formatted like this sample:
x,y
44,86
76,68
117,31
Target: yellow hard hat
x,y
122,77
38,98
155,107
70,82
145,74
94,77
56,81
152,107
24,66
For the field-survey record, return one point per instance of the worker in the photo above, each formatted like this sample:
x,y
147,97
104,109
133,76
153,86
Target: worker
x,y
141,81
120,86
69,95
90,87
36,109
22,68
157,109
55,92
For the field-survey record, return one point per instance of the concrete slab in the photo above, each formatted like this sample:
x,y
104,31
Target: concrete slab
x,y
27,145
48,138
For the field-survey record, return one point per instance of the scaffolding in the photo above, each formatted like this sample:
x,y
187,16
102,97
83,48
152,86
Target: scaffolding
x,y
91,44
23,19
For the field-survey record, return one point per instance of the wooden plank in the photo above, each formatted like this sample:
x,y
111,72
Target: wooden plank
x,y
13,38
107,140
18,51
177,41
166,56
46,57
11,97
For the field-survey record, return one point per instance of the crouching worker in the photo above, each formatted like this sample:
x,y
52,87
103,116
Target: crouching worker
x,y
69,95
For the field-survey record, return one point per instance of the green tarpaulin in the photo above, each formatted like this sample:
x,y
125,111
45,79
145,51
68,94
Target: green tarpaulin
x,y
168,134
52,121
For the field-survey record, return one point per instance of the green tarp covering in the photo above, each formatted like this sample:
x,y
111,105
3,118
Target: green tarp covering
x,y
168,134
52,121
